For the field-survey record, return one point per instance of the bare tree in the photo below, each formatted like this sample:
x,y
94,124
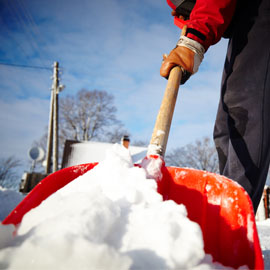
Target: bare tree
x,y
8,174
199,155
87,115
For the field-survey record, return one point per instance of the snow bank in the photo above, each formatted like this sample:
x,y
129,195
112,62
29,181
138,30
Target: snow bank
x,y
264,235
110,218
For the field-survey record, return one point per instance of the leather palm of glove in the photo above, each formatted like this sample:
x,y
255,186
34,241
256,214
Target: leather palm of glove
x,y
188,54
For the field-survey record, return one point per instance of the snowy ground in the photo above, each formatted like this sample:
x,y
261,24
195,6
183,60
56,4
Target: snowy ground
x,y
264,235
75,234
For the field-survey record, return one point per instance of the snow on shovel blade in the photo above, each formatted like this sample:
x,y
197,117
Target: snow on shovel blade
x,y
44,189
220,206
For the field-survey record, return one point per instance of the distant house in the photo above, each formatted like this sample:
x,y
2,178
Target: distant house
x,y
89,151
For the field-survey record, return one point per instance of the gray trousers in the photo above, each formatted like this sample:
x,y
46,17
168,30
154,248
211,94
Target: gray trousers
x,y
242,128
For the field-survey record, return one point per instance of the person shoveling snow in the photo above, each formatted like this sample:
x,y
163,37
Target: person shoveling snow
x,y
109,218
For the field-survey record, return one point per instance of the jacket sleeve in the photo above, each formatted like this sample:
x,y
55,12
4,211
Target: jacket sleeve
x,y
209,19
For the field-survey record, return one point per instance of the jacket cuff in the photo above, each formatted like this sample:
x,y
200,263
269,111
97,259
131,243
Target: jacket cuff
x,y
197,36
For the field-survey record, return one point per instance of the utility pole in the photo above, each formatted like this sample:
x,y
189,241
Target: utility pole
x,y
52,141
55,116
50,135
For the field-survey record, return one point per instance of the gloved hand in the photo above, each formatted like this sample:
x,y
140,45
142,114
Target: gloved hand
x,y
175,13
188,54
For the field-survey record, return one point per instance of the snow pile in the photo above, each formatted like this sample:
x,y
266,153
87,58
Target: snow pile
x,y
109,218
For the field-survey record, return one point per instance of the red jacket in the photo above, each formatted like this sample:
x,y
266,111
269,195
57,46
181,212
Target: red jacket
x,y
208,20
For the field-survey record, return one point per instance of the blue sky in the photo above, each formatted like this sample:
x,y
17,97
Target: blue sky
x,y
111,45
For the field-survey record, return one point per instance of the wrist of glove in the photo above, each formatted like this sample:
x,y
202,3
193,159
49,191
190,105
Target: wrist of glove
x,y
188,54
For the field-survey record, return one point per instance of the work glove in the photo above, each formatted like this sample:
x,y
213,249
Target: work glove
x,y
188,54
174,13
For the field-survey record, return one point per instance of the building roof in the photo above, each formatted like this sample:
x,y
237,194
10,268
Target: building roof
x,y
76,153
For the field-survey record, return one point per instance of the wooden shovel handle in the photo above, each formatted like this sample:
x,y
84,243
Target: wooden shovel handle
x,y
161,131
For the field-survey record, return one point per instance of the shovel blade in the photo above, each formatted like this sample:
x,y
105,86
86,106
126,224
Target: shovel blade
x,y
223,210
220,206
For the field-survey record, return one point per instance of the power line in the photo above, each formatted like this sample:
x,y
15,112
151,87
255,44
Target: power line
x,y
24,66
27,25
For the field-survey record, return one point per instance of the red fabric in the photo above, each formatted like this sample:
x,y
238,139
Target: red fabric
x,y
211,18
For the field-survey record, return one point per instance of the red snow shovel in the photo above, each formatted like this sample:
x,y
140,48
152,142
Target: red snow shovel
x,y
220,206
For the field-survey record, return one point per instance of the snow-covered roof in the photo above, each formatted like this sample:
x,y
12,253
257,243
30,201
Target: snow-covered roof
x,y
89,151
